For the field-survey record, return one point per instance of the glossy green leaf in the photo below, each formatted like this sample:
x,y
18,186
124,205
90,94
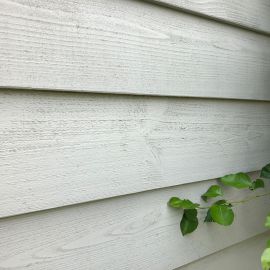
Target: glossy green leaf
x,y
212,192
184,204
208,217
175,202
221,202
222,214
265,172
189,222
238,180
267,222
258,183
265,259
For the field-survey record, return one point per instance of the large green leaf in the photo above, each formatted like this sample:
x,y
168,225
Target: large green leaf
x,y
238,180
265,259
222,214
258,183
212,192
265,172
189,222
208,217
175,202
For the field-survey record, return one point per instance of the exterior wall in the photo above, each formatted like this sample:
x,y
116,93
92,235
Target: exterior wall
x,y
128,232
109,108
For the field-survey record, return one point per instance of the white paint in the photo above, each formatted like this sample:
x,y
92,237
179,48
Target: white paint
x,y
60,149
247,13
65,148
128,46
134,232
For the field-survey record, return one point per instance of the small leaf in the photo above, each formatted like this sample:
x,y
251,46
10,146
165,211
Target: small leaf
x,y
221,202
189,222
222,214
175,202
184,204
187,204
212,192
238,180
267,222
258,183
265,173
208,217
265,259
268,243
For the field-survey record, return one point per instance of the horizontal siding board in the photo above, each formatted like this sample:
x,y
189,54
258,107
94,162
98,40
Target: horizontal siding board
x,y
242,256
253,15
130,47
135,232
64,148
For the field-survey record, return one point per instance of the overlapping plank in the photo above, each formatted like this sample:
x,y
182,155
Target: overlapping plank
x,y
254,14
64,148
135,232
128,46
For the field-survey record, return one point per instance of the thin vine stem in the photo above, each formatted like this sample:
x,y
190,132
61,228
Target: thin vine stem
x,y
240,201
250,198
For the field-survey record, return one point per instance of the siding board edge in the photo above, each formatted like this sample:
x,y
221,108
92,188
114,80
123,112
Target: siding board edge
x,y
261,26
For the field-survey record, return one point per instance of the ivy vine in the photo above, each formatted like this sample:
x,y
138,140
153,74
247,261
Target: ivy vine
x,y
221,211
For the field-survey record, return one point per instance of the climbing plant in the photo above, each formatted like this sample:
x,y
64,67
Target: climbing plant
x,y
221,211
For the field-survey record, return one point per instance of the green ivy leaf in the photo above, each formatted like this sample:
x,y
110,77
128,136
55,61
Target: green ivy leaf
x,y
238,180
175,202
222,214
265,172
267,222
258,183
189,222
221,202
208,217
212,192
183,204
265,259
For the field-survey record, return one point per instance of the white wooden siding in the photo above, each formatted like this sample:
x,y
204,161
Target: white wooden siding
x,y
252,14
135,232
98,169
63,148
129,46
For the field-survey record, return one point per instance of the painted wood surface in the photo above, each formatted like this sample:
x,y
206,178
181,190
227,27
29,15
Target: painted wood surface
x,y
128,46
135,232
251,14
243,256
64,148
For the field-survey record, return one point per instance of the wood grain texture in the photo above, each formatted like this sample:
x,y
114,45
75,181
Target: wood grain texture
x,y
136,232
242,256
64,148
128,46
254,15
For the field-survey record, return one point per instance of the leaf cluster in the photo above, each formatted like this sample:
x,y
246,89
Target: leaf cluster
x,y
265,258
220,211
